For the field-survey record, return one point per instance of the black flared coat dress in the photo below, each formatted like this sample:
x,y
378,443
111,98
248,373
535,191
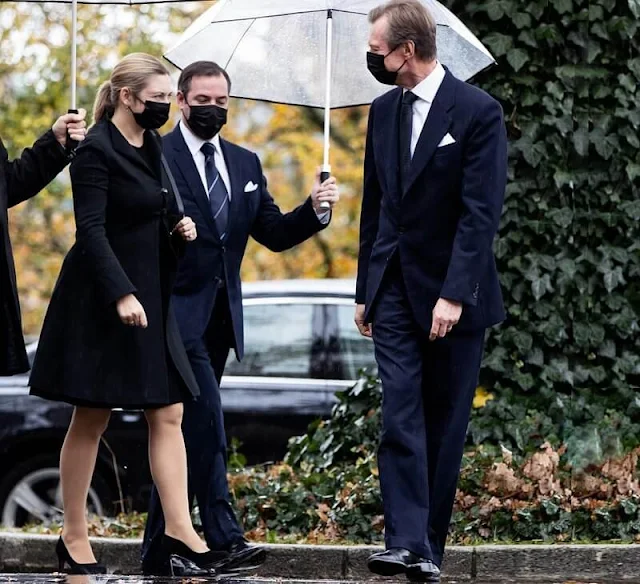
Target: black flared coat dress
x,y
124,214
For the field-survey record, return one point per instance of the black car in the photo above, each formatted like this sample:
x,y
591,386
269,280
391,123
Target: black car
x,y
301,347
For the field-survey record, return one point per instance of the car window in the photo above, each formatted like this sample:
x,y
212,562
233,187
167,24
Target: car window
x,y
279,341
356,351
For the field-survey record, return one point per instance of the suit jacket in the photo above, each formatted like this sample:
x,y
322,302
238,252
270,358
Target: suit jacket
x,y
20,179
123,246
443,224
208,262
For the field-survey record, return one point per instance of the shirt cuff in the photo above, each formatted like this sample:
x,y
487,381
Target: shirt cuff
x,y
323,216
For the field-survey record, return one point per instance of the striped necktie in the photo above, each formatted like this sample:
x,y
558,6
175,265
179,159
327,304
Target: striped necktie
x,y
217,191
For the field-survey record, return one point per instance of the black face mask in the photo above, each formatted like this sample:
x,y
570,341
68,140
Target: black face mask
x,y
154,115
206,121
376,66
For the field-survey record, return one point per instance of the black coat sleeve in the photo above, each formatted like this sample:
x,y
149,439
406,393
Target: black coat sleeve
x,y
34,170
370,214
90,182
484,177
281,231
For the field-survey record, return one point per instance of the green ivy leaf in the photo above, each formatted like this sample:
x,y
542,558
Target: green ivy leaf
x,y
563,6
633,170
581,141
517,59
521,20
495,11
608,349
499,43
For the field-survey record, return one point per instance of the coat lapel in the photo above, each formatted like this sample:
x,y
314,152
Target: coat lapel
x,y
435,128
237,185
392,135
187,167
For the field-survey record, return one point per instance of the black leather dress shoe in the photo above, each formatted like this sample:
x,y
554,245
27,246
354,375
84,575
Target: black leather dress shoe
x,y
424,571
178,559
242,556
392,562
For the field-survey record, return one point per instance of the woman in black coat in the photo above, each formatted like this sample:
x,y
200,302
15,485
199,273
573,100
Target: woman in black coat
x,y
110,338
20,180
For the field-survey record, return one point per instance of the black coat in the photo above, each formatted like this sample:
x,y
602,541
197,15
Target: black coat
x,y
20,180
86,355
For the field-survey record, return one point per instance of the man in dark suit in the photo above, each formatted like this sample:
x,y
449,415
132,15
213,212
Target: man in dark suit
x,y
225,193
20,180
427,289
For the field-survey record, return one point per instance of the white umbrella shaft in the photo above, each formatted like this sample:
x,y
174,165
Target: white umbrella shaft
x,y
326,167
74,52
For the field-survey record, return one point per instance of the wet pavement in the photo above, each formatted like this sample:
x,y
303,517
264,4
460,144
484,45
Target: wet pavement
x,y
115,579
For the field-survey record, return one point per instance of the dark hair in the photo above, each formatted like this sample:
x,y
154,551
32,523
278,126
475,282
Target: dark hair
x,y
200,69
409,20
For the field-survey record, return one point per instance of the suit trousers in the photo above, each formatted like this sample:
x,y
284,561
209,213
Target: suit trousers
x,y
205,439
428,389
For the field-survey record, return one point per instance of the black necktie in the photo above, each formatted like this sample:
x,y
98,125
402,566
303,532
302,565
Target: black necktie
x,y
218,195
406,130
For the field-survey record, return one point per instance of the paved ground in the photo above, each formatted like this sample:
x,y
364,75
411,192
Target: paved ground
x,y
61,579
520,564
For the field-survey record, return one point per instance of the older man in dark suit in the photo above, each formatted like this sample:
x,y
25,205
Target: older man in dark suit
x,y
434,181
20,180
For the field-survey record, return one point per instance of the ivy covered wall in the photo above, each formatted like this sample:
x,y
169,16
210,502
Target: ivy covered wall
x,y
566,364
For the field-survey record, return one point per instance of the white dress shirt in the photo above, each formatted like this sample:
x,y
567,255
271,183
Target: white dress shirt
x,y
195,144
426,92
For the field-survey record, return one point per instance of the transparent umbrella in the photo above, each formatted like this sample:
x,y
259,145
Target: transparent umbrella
x,y
310,52
74,30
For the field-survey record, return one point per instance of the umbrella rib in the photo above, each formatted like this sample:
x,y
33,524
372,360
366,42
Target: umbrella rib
x,y
244,34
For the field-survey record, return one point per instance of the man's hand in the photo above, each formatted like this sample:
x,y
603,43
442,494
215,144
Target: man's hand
x,y
327,191
72,123
364,328
446,315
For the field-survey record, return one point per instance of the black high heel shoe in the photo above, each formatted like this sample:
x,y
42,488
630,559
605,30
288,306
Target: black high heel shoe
x,y
64,557
180,560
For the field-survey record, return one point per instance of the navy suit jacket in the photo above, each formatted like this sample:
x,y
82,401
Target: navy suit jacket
x,y
443,225
207,260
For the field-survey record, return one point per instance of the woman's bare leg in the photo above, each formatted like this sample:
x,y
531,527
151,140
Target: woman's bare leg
x,y
168,460
77,463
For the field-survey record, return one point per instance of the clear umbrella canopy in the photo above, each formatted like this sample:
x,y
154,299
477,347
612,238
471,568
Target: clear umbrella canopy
x,y
274,50
74,28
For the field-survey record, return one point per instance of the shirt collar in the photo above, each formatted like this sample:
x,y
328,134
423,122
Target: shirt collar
x,y
426,90
194,143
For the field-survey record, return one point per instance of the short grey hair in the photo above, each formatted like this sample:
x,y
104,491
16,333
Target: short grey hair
x,y
409,20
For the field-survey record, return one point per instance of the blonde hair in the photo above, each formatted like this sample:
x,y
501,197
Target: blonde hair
x,y
409,20
132,72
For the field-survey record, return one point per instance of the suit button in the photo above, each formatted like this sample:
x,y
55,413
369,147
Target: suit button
x,y
401,229
224,249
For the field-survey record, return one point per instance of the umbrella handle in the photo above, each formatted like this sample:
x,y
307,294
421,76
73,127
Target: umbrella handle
x,y
325,174
71,144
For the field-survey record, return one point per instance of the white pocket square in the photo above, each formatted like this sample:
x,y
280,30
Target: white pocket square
x,y
448,139
250,187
